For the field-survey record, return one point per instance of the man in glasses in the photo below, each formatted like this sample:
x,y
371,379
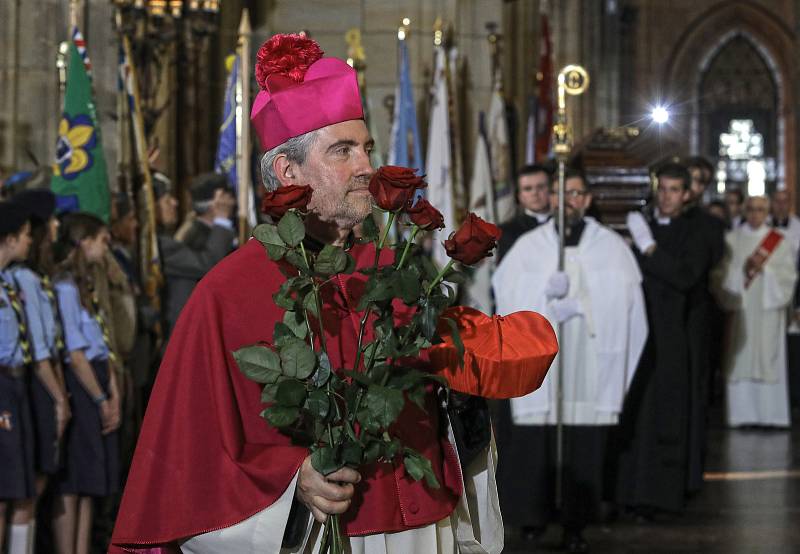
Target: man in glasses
x,y
756,283
533,196
598,301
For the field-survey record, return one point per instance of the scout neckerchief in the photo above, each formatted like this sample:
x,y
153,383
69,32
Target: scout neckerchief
x,y
19,313
763,252
47,287
98,317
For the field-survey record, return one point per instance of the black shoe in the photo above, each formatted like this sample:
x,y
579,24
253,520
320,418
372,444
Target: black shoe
x,y
574,543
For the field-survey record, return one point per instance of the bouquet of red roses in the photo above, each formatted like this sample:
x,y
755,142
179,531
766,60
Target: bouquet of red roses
x,y
344,415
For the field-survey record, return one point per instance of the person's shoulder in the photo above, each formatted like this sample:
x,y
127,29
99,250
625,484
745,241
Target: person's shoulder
x,y
244,267
24,274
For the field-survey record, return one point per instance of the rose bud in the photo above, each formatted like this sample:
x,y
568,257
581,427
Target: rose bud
x,y
393,187
473,241
425,216
284,198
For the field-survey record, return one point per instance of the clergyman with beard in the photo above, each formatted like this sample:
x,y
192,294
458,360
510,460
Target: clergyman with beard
x,y
599,303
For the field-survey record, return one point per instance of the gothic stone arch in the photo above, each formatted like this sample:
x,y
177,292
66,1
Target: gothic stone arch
x,y
705,37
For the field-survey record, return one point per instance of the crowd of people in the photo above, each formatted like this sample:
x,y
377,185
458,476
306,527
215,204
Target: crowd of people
x,y
80,343
688,307
693,298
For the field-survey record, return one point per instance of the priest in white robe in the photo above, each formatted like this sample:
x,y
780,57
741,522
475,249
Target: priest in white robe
x,y
755,282
598,300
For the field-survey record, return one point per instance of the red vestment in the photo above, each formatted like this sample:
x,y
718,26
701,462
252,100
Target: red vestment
x,y
205,458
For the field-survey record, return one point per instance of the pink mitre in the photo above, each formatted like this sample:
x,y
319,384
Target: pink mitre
x,y
300,90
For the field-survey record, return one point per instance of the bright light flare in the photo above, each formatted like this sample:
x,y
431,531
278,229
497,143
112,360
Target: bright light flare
x,y
660,115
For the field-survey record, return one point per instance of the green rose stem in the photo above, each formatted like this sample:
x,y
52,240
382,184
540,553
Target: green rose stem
x,y
332,530
439,277
414,230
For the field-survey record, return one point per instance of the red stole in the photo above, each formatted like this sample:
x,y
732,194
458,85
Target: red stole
x,y
758,259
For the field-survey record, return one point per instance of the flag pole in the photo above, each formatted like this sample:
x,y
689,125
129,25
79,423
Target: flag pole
x,y
150,265
243,126
572,80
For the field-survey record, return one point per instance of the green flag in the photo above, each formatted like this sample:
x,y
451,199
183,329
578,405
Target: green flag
x,y
80,180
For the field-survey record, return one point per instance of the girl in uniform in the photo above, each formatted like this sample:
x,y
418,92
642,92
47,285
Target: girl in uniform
x,y
48,397
92,456
17,473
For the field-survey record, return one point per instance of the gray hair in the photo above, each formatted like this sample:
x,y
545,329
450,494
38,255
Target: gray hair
x,y
295,149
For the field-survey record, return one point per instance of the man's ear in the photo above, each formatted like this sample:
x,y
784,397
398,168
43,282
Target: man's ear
x,y
588,200
687,194
285,170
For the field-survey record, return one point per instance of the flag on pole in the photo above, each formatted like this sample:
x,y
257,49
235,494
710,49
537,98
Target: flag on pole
x,y
478,292
544,104
438,169
80,179
500,155
225,162
80,44
404,147
531,130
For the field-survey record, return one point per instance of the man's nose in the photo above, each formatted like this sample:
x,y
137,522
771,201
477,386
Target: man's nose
x,y
363,164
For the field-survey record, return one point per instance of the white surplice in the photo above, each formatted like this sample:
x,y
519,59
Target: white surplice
x,y
601,347
755,361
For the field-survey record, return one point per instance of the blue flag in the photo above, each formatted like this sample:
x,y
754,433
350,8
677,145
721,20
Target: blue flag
x,y
405,148
225,162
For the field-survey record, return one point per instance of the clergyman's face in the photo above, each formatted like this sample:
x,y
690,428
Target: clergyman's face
x,y
755,211
670,196
534,192
578,199
338,168
780,204
734,207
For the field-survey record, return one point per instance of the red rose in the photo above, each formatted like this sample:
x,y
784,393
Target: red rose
x,y
393,187
473,241
284,198
424,215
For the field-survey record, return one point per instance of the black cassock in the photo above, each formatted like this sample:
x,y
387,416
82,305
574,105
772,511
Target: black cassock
x,y
705,348
512,230
649,451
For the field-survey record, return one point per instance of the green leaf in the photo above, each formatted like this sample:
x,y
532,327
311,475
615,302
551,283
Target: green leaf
x,y
283,298
428,267
419,467
281,333
323,372
290,228
429,317
291,393
318,403
330,261
369,229
456,335
406,283
375,291
373,451
296,259
296,321
384,404
298,360
352,453
310,303
267,234
351,265
324,460
417,396
281,416
259,363
268,393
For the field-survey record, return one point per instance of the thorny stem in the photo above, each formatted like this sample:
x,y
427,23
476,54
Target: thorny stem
x,y
414,230
439,277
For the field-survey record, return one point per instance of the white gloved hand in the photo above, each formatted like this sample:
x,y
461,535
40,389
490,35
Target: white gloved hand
x,y
640,231
557,285
565,309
